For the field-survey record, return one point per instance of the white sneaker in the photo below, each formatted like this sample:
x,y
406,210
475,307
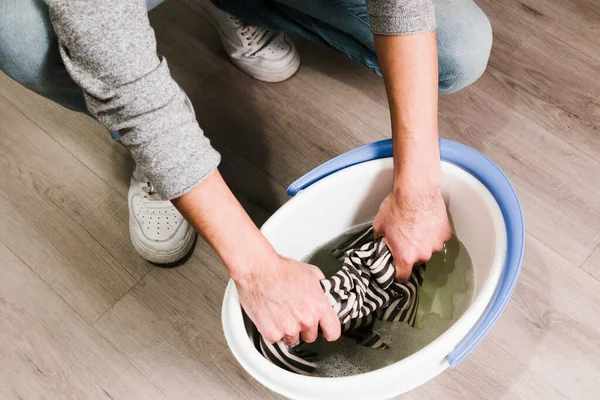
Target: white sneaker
x,y
266,55
158,231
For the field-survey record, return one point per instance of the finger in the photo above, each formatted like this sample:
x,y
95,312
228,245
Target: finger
x,y
377,229
438,248
404,265
402,262
403,271
424,257
271,335
330,325
310,335
291,340
318,273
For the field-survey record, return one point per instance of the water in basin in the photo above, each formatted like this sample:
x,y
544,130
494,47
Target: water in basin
x,y
445,295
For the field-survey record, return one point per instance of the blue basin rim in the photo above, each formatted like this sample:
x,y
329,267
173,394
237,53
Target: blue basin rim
x,y
497,183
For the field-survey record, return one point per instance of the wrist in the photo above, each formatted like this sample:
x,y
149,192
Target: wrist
x,y
257,257
420,176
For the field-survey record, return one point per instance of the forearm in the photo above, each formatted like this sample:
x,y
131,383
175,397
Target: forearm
x,y
409,67
413,216
216,214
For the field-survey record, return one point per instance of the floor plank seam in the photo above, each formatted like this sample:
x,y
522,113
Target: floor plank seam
x,y
109,342
113,212
93,324
74,155
91,236
46,283
514,108
597,248
207,268
525,367
562,41
513,105
62,210
131,363
551,249
590,275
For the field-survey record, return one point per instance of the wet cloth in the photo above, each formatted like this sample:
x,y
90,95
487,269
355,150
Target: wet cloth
x,y
362,290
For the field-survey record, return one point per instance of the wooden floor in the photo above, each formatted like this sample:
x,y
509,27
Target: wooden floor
x,y
83,317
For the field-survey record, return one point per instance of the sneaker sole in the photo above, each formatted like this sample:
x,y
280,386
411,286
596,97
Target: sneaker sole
x,y
269,76
264,76
163,258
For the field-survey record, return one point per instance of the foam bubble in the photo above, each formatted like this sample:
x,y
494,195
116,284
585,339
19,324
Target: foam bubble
x,y
445,295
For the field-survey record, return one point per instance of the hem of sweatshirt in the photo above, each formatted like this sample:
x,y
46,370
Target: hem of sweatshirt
x,y
213,162
390,26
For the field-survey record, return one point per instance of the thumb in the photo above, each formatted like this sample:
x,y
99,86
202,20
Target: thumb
x,y
318,273
378,227
402,264
330,325
403,271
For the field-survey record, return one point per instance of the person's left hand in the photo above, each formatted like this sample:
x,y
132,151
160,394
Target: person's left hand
x,y
415,225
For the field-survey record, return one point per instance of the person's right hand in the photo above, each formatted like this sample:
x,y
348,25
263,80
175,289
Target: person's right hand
x,y
284,299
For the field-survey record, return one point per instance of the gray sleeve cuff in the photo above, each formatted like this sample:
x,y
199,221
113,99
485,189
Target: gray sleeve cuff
x,y
109,49
401,17
156,122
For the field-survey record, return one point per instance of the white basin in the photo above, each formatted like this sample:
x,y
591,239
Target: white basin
x,y
486,219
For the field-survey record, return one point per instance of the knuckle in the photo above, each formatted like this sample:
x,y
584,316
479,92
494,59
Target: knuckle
x,y
306,324
307,315
312,320
291,331
323,308
317,272
406,262
272,335
309,336
333,336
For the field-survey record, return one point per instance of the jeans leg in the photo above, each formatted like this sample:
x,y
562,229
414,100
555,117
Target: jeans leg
x,y
29,52
343,26
464,38
464,34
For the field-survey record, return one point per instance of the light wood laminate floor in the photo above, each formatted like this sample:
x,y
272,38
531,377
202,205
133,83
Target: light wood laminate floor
x,y
83,317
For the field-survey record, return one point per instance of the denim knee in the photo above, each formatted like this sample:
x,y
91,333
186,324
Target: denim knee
x,y
29,53
23,49
464,42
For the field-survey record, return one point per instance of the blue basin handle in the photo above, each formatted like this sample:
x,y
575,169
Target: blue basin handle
x,y
371,151
496,182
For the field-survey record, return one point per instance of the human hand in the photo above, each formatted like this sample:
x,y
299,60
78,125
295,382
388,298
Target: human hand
x,y
284,299
415,225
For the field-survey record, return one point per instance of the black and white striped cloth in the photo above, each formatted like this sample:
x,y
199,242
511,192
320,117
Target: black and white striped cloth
x,y
362,290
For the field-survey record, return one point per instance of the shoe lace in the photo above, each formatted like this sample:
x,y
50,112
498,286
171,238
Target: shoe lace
x,y
256,36
149,188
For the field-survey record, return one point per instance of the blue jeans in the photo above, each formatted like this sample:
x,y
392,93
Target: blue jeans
x,y
29,47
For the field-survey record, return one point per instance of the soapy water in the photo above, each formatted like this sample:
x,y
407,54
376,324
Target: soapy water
x,y
446,293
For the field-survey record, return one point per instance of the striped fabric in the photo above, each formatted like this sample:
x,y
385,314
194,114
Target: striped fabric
x,y
362,290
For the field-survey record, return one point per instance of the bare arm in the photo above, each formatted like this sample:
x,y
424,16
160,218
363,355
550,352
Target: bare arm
x,y
109,49
283,297
413,217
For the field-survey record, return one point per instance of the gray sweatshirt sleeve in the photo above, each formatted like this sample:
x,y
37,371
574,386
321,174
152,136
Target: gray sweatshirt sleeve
x,y
401,17
109,50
